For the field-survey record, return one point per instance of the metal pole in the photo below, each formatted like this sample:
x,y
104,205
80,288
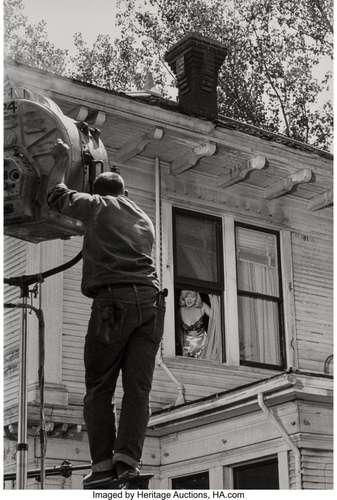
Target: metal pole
x,y
158,221
22,446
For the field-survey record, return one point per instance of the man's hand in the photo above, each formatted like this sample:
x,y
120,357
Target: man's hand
x,y
60,152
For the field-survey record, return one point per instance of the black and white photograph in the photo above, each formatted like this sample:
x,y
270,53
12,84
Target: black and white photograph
x,y
168,248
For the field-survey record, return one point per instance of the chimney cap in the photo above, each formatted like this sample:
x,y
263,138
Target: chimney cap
x,y
193,39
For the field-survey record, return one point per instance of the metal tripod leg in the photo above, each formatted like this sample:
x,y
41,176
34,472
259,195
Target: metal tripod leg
x,y
22,446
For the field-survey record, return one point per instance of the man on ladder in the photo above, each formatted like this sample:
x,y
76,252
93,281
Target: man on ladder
x,y
126,323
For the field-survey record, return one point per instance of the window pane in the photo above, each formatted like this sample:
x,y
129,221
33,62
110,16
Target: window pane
x,y
259,331
258,476
196,248
192,482
257,265
198,325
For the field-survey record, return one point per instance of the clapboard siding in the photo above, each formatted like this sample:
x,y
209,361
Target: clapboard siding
x,y
317,466
313,284
15,262
317,469
76,311
292,475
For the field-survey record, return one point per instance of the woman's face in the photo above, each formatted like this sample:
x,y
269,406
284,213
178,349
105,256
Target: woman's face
x,y
190,298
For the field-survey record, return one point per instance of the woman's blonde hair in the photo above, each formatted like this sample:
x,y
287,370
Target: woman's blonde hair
x,y
183,293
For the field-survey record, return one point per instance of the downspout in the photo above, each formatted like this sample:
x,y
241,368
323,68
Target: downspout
x,y
159,265
297,454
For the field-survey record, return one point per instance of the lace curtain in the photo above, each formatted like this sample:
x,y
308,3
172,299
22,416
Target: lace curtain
x,y
258,317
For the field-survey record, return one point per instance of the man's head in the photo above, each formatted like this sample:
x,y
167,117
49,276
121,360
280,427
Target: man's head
x,y
109,183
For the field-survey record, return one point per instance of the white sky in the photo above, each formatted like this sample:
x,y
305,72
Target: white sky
x,y
66,17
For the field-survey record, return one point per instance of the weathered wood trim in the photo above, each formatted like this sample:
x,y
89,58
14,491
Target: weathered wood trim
x,y
52,304
228,478
238,173
134,147
168,279
288,299
33,266
225,459
230,293
283,470
191,158
282,388
216,477
321,201
287,184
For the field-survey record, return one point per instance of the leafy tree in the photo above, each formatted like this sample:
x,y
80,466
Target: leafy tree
x,y
108,63
272,76
274,49
29,42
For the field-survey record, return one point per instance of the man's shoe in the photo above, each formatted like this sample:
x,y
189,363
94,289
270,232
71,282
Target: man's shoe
x,y
126,471
98,477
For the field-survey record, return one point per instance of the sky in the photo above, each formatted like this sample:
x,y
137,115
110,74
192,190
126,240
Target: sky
x,y
66,17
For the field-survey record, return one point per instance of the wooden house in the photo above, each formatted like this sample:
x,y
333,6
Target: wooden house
x,y
243,218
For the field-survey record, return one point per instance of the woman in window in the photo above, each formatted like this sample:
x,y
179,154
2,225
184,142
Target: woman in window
x,y
193,313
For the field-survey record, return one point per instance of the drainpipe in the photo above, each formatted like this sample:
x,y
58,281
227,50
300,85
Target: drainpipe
x,y
159,265
297,454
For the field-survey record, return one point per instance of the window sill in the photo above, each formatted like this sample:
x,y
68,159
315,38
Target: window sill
x,y
206,364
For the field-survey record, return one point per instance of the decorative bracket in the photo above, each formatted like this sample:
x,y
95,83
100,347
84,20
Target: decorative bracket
x,y
287,184
190,159
91,116
321,201
133,148
239,173
81,113
96,118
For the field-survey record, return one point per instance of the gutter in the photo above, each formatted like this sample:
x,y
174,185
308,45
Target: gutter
x,y
274,420
192,410
159,265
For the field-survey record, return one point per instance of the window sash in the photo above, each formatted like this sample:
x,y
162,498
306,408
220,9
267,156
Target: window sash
x,y
266,340
185,281
266,280
276,299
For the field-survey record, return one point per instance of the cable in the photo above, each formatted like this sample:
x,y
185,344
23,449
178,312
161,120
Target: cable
x,y
30,279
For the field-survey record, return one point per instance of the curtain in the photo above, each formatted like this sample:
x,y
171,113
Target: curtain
x,y
213,346
259,330
258,318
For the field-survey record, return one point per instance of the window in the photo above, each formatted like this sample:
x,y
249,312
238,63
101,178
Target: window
x,y
262,475
192,482
259,296
227,283
198,284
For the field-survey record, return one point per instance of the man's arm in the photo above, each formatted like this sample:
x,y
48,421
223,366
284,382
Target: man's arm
x,y
60,153
81,206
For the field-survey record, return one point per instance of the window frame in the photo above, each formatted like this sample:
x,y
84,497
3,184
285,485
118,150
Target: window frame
x,y
229,307
269,298
189,475
204,286
250,463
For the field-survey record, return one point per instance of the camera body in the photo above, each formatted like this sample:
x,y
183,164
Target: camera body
x,y
32,125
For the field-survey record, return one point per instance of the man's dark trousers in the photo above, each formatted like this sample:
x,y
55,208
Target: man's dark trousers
x,y
124,333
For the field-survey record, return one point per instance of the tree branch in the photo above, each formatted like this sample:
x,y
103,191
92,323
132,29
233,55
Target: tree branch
x,y
273,85
325,18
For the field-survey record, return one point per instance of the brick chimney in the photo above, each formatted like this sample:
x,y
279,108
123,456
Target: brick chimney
x,y
196,60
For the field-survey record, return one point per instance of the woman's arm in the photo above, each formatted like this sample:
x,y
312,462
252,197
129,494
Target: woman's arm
x,y
206,309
